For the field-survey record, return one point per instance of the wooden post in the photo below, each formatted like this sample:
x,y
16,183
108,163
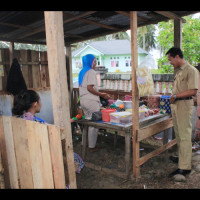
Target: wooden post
x,y
58,84
69,75
135,97
178,33
2,182
165,141
11,52
127,152
84,141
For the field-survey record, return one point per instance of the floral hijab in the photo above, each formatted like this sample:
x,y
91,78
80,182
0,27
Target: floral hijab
x,y
32,117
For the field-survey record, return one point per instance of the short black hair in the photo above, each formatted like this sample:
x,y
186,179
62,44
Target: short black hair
x,y
175,51
23,101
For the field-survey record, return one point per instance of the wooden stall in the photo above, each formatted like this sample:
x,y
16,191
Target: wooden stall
x,y
147,128
51,69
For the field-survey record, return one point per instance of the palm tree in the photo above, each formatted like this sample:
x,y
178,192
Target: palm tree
x,y
146,37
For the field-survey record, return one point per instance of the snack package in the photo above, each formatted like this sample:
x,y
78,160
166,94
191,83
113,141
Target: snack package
x,y
144,80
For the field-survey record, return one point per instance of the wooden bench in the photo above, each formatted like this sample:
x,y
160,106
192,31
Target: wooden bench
x,y
32,154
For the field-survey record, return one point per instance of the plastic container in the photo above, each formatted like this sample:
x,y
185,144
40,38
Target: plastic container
x,y
142,114
165,103
106,114
121,117
118,102
127,104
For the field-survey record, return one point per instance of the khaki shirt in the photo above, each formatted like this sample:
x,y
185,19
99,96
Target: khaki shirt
x,y
186,78
90,78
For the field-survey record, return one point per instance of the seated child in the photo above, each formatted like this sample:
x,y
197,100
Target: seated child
x,y
26,104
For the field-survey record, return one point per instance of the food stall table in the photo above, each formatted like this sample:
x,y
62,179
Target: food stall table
x,y
147,127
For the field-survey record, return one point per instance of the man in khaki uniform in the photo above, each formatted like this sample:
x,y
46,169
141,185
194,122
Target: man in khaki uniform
x,y
182,105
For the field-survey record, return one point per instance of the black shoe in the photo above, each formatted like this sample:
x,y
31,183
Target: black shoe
x,y
174,159
179,171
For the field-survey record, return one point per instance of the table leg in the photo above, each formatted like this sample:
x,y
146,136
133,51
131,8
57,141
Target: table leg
x,y
165,141
127,152
173,133
136,156
84,141
115,139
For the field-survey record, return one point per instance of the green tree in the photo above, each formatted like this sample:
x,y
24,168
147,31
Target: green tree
x,y
190,40
146,37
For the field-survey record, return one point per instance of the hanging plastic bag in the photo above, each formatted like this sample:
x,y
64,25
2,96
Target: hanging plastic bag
x,y
144,79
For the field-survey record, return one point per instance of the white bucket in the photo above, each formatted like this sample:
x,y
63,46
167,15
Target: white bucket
x,y
127,104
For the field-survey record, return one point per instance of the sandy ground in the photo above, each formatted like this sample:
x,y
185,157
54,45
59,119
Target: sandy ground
x,y
154,172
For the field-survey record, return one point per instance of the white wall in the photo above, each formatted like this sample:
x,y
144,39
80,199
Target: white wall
x,y
46,112
5,105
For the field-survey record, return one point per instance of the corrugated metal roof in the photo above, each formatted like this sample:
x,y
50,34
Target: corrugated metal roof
x,y
29,26
111,47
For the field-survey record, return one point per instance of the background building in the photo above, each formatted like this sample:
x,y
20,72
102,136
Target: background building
x,y
115,55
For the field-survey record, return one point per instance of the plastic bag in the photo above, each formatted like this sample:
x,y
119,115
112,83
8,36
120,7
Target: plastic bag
x,y
96,116
144,79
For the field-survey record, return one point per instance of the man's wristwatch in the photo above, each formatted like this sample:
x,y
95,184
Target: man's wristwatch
x,y
174,96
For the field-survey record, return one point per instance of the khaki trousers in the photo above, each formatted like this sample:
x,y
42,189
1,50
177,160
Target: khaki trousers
x,y
90,106
182,112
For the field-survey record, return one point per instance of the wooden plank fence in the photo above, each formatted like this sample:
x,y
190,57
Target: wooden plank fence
x,y
32,154
34,66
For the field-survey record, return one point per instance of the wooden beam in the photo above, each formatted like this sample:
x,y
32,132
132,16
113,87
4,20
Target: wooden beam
x,y
153,129
26,62
73,35
33,32
15,25
170,15
69,75
135,102
178,33
42,28
96,36
128,15
58,84
87,21
11,52
77,17
21,41
143,159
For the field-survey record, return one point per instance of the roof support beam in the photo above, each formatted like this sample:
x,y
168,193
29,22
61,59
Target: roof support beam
x,y
73,35
128,15
15,25
87,21
21,41
177,33
77,17
42,29
11,52
170,15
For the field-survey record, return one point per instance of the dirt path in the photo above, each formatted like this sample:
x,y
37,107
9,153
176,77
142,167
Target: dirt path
x,y
154,173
